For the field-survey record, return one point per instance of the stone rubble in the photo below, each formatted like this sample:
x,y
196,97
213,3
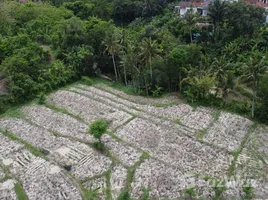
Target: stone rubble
x,y
229,131
7,191
118,180
38,177
176,160
58,122
88,109
175,149
85,161
199,119
126,154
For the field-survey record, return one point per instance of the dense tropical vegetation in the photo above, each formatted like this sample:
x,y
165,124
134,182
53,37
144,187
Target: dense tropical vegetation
x,y
142,44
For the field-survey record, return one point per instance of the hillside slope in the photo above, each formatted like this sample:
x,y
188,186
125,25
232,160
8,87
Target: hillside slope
x,y
173,150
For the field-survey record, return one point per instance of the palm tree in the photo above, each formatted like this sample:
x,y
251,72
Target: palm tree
x,y
148,50
254,70
112,48
190,19
217,10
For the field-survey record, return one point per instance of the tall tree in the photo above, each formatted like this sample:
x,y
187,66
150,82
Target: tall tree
x,y
217,11
149,49
190,19
255,69
112,45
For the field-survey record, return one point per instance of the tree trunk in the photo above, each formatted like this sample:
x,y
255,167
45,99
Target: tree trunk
x,y
253,104
146,87
191,37
180,81
151,70
125,74
115,70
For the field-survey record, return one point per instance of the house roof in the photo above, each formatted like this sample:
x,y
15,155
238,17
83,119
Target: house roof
x,y
195,4
256,3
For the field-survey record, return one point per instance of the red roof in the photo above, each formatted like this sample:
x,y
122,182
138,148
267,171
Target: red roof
x,y
195,4
256,3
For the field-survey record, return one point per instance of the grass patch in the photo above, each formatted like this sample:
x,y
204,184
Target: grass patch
x,y
178,121
201,134
127,89
108,185
14,112
216,115
21,195
91,194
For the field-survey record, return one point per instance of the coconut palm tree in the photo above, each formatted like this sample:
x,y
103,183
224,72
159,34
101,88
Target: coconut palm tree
x,y
148,50
112,44
217,10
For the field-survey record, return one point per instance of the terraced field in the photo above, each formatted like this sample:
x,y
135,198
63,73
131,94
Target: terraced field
x,y
173,151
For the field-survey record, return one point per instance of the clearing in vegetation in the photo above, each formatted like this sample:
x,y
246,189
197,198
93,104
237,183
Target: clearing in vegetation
x,y
168,151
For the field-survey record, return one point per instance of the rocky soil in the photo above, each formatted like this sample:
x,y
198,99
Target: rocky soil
x,y
172,151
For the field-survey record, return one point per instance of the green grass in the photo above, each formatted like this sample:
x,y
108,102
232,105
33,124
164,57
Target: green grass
x,y
108,185
178,121
201,134
215,115
21,195
13,112
116,85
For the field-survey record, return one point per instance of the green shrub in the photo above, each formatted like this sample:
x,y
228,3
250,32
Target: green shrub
x,y
248,192
86,80
41,98
158,91
92,194
98,128
190,192
124,195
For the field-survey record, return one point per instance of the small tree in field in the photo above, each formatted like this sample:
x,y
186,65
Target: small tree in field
x,y
97,129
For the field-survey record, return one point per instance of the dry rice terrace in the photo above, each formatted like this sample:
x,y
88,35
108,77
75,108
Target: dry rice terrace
x,y
46,151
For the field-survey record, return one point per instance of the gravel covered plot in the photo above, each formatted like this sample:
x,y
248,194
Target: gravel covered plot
x,y
83,160
8,146
100,93
229,131
7,191
58,122
175,149
39,178
252,163
87,108
170,112
126,154
199,119
165,181
118,180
